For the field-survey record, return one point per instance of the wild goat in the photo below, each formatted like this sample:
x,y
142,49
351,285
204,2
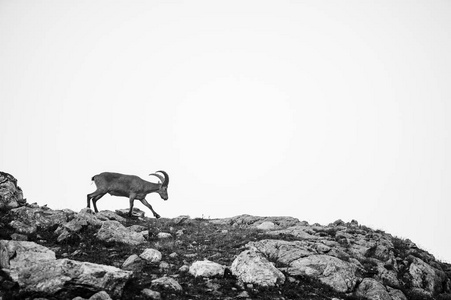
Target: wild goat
x,y
129,186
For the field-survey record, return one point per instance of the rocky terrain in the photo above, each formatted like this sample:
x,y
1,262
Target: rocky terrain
x,y
62,254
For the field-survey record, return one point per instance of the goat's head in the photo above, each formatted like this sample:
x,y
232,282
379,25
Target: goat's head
x,y
163,190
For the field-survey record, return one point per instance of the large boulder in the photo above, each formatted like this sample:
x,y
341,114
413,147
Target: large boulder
x,y
299,231
133,263
11,195
425,278
254,221
35,269
85,218
338,274
372,289
113,231
41,217
252,267
206,268
283,251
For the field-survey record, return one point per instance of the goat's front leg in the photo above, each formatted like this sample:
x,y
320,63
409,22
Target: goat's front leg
x,y
132,199
144,201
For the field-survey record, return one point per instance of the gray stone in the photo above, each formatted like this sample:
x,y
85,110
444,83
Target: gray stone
x,y
425,278
149,294
167,283
183,269
11,195
133,263
251,267
105,215
113,231
137,228
164,266
23,228
243,294
283,251
40,217
35,269
102,295
206,268
181,219
330,270
252,221
164,235
19,237
299,231
267,225
151,255
396,294
136,212
373,290
24,253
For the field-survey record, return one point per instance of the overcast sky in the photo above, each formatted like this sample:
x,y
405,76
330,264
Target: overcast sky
x,y
320,110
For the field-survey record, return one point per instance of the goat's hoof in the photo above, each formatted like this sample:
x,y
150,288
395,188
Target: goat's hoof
x,y
157,216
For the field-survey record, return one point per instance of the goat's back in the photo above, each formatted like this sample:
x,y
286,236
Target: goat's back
x,y
110,181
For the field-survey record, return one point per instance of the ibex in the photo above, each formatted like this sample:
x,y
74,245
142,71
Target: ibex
x,y
129,186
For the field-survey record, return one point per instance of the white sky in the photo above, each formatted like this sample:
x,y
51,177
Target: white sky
x,y
321,110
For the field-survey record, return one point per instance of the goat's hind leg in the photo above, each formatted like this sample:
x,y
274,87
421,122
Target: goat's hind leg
x,y
94,196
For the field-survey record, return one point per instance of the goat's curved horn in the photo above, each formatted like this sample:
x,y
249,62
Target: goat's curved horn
x,y
166,178
159,177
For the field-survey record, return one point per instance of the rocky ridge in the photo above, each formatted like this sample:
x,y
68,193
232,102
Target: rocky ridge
x,y
62,254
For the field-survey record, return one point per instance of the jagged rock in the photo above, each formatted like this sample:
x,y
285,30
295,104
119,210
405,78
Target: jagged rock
x,y
164,235
251,267
149,294
23,228
25,253
425,278
248,220
243,294
164,266
181,219
184,269
105,215
113,231
136,212
330,270
40,217
298,231
133,263
19,237
372,289
387,277
283,251
338,222
137,228
396,294
36,270
151,255
167,283
11,195
100,296
266,226
206,268
83,219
